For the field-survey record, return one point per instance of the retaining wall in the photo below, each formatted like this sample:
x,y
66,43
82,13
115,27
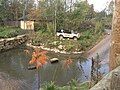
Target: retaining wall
x,y
10,43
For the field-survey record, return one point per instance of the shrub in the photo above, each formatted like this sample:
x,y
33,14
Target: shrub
x,y
50,86
7,32
99,27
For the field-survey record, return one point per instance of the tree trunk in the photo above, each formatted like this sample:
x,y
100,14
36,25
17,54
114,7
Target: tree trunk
x,y
115,43
115,81
71,1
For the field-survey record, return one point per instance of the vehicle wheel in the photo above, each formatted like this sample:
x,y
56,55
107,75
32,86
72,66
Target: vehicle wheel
x,y
61,37
75,38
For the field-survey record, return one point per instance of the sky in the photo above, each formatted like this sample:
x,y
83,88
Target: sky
x,y
99,5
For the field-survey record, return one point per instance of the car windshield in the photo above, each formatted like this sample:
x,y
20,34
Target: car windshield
x,y
67,31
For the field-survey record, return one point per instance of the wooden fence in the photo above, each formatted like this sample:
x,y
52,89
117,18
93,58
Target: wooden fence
x,y
10,23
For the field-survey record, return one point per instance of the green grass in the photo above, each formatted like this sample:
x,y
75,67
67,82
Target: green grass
x,y
87,39
8,32
50,41
84,86
73,86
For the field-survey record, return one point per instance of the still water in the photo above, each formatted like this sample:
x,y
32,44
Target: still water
x,y
14,64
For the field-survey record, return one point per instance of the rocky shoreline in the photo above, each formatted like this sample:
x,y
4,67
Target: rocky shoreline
x,y
53,50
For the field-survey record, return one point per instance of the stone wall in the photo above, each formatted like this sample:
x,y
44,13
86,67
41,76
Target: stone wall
x,y
110,82
9,43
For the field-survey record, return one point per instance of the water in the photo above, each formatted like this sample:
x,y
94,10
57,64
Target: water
x,y
14,64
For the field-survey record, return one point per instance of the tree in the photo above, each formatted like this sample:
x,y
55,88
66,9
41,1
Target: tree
x,y
111,7
96,74
115,43
15,9
3,9
11,9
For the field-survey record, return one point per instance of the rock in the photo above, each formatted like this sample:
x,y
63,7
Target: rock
x,y
9,43
60,47
56,50
32,68
54,60
55,42
110,82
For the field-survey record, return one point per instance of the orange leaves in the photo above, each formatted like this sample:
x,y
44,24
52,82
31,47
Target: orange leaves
x,y
68,62
39,58
32,61
38,64
42,59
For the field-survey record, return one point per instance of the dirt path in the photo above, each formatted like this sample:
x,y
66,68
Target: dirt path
x,y
100,48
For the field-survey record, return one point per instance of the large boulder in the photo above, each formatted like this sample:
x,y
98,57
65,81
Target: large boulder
x,y
110,82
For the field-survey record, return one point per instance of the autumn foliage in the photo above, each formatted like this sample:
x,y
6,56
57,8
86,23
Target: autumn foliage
x,y
39,58
68,62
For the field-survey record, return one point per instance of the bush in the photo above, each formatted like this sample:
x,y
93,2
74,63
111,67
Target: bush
x,y
8,32
50,86
71,45
86,25
73,85
40,26
99,27
88,38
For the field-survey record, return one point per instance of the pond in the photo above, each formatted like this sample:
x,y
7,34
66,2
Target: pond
x,y
14,68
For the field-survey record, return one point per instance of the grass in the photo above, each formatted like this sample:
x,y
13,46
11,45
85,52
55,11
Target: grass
x,y
72,86
8,32
84,86
88,39
50,41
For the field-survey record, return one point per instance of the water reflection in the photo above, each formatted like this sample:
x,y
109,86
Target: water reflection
x,y
15,63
